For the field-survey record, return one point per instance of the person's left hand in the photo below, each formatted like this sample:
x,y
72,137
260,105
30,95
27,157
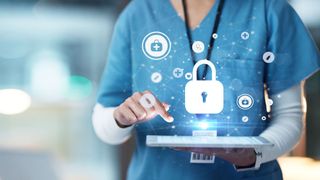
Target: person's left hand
x,y
241,157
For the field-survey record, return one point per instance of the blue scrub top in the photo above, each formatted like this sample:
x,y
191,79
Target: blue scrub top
x,y
271,25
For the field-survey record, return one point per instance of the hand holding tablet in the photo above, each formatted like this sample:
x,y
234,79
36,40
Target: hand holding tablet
x,y
240,151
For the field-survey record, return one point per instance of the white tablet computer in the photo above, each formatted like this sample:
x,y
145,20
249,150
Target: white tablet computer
x,y
207,141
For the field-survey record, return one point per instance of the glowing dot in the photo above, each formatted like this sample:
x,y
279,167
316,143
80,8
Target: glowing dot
x,y
203,125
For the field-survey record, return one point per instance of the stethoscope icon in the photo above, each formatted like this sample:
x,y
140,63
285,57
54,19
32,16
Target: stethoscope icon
x,y
198,46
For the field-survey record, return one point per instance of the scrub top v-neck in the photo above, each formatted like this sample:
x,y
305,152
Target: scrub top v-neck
x,y
248,31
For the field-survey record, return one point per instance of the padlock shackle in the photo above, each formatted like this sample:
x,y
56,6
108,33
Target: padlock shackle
x,y
204,62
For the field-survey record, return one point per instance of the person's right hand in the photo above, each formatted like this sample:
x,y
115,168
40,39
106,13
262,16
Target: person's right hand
x,y
131,112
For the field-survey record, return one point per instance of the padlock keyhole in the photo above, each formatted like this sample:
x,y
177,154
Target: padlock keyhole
x,y
204,96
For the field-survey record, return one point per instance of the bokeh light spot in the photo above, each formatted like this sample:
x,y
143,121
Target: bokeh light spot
x,y
79,88
14,101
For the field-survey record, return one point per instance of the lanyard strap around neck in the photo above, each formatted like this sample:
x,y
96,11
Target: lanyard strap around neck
x,y
214,31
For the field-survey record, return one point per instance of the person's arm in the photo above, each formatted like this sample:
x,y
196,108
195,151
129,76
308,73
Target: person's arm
x,y
286,126
284,131
114,125
106,127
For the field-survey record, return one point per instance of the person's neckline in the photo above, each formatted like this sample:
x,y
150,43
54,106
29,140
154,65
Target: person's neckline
x,y
201,23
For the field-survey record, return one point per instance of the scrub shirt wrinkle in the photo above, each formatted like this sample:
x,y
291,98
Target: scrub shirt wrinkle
x,y
247,31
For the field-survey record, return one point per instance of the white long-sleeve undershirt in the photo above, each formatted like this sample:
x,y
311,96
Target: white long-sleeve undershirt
x,y
284,130
287,123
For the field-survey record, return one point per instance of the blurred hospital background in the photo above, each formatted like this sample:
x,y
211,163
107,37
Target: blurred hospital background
x,y
52,53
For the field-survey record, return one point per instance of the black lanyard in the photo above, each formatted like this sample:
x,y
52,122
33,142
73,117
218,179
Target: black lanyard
x,y
212,40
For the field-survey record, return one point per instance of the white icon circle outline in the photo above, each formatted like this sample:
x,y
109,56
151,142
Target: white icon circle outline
x,y
188,76
174,72
215,36
243,97
268,57
153,76
245,119
270,102
198,47
147,101
245,35
162,38
263,118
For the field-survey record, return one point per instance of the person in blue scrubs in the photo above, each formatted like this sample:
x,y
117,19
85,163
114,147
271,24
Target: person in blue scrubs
x,y
259,46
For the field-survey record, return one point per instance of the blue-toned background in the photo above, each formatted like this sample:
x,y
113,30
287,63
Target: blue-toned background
x,y
52,54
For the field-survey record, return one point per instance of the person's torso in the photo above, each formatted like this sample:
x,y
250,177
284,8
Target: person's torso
x,y
237,55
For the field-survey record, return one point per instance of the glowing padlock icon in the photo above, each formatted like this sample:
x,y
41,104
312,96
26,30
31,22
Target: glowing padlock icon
x,y
204,96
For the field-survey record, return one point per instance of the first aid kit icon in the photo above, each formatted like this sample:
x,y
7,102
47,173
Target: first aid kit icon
x,y
156,45
204,96
245,101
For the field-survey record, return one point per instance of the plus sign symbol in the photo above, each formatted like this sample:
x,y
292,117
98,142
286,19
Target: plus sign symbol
x,y
245,35
177,72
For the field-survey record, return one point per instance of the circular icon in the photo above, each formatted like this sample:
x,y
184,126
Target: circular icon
x,y
198,47
177,72
263,118
147,101
268,57
270,102
215,36
188,76
245,101
245,35
156,77
245,119
156,45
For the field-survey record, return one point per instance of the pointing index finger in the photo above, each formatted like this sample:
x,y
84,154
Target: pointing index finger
x,y
161,109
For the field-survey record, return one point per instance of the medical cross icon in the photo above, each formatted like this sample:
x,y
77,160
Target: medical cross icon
x,y
156,47
177,72
245,35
